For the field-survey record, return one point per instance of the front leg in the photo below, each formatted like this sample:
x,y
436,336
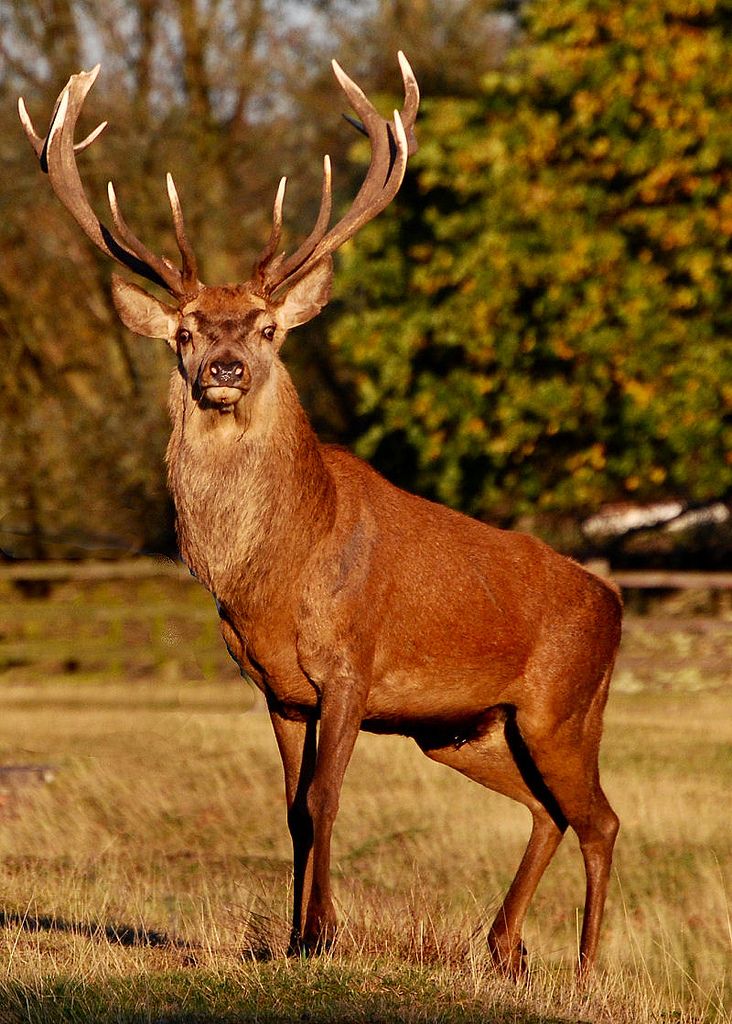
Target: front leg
x,y
342,708
296,739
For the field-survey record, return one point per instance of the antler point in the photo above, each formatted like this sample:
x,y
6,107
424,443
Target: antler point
x,y
58,121
173,197
25,117
112,197
278,204
339,72
410,79
401,134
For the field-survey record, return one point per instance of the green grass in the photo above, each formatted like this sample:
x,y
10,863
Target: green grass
x,y
150,880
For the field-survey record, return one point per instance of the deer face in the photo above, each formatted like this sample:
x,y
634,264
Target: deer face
x,y
225,338
225,347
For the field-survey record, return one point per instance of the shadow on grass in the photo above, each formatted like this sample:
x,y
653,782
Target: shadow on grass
x,y
263,988
258,949
114,934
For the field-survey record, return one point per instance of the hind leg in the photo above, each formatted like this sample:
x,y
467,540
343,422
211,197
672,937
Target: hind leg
x,y
488,759
504,938
597,841
566,755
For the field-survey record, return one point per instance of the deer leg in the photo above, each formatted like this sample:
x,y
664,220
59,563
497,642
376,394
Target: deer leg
x,y
296,740
597,839
567,758
340,721
504,938
596,824
488,758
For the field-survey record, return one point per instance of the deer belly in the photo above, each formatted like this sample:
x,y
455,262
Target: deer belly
x,y
418,698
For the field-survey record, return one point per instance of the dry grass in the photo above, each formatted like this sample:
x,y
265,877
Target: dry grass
x,y
149,880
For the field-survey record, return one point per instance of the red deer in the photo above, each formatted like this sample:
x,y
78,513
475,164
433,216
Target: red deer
x,y
351,603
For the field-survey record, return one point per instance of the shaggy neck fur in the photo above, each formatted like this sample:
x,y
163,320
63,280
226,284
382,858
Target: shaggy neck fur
x,y
252,493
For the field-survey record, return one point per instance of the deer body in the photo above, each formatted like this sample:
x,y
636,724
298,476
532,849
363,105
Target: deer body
x,y
352,604
337,588
319,559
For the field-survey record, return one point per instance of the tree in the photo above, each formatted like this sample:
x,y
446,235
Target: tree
x,y
228,94
545,324
188,86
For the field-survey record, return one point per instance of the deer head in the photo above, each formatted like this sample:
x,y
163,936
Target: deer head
x,y
227,337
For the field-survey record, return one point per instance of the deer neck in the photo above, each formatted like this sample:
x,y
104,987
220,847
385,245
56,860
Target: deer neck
x,y
252,493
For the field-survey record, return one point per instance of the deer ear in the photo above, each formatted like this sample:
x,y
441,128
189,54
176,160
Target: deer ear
x,y
143,313
306,298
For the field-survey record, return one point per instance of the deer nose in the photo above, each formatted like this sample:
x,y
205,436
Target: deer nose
x,y
227,374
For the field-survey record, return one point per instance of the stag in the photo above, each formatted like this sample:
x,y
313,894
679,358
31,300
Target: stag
x,y
351,603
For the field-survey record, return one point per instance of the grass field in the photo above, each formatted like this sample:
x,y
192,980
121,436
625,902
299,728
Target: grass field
x,y
148,881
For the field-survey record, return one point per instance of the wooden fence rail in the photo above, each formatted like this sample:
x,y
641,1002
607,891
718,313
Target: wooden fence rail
x,y
680,580
92,571
149,568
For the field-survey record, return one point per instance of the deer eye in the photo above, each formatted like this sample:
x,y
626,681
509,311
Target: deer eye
x,y
269,331
184,335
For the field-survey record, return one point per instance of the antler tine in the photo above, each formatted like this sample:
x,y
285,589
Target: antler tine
x,y
165,273
388,159
57,157
38,143
298,258
35,140
188,277
266,259
411,101
188,257
391,144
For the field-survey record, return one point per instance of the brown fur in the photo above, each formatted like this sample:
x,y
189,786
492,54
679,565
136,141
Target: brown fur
x,y
355,605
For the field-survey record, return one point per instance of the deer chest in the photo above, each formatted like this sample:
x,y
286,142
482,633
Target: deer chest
x,y
269,659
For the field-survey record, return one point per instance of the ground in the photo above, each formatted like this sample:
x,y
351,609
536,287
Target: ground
x,y
145,866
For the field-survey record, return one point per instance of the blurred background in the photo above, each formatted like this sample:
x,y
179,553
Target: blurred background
x,y
538,331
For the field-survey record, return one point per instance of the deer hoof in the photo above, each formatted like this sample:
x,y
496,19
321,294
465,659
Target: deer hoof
x,y
296,946
318,937
511,960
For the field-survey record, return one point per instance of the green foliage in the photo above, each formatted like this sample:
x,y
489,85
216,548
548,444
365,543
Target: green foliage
x,y
546,322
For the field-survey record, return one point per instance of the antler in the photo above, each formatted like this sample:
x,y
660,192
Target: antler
x,y
57,156
392,142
